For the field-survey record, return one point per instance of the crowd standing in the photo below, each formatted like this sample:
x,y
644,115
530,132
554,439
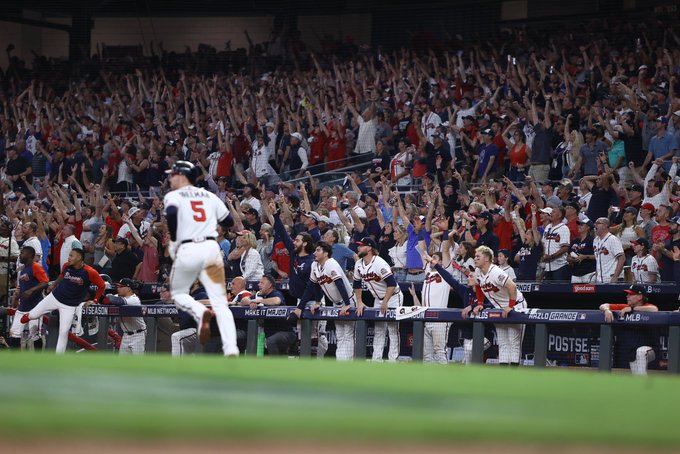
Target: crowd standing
x,y
557,151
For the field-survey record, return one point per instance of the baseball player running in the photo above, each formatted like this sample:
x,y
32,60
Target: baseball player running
x,y
67,293
192,214
501,291
133,328
32,281
329,280
377,274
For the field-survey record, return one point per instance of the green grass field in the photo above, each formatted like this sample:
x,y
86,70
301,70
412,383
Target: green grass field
x,y
158,397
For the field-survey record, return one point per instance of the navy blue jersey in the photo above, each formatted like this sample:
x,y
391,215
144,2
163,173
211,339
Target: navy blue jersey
x,y
75,283
30,276
300,266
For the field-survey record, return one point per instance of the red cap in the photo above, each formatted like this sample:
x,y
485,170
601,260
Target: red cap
x,y
648,206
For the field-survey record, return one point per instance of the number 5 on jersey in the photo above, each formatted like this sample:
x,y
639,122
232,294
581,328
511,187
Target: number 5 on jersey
x,y
199,211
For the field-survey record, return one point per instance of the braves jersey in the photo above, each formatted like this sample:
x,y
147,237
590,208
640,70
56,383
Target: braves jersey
x,y
132,324
75,284
373,274
435,292
493,286
198,212
329,276
643,267
554,237
30,276
607,250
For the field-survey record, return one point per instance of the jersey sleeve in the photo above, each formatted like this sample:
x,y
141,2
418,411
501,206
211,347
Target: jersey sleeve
x,y
617,307
96,279
335,272
384,269
312,274
617,248
652,265
221,209
565,236
39,272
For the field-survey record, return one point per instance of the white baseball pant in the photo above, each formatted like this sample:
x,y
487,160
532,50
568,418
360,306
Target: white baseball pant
x,y
184,341
585,279
17,328
204,261
66,314
380,329
434,342
134,344
344,332
643,356
509,339
467,349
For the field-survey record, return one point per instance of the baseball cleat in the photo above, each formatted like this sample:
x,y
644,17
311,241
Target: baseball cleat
x,y
204,329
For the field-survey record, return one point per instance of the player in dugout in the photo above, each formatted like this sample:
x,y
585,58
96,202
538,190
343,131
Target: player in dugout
x,y
637,344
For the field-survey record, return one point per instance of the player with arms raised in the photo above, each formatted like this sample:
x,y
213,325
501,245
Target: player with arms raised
x,y
328,279
377,274
192,214
494,284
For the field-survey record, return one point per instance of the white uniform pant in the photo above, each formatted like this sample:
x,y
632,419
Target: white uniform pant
x,y
509,339
134,344
184,341
434,342
17,328
643,356
379,331
318,332
66,314
345,335
467,349
585,279
204,261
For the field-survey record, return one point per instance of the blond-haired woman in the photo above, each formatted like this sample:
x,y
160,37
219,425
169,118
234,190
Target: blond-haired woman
x,y
246,251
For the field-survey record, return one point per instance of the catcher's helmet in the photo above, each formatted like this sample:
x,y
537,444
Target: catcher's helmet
x,y
185,168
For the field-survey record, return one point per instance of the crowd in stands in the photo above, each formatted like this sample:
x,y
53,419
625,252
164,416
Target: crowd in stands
x,y
557,150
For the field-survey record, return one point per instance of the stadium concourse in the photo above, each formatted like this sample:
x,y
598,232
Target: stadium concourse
x,y
558,151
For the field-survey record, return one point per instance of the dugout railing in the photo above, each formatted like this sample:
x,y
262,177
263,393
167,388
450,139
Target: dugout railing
x,y
540,319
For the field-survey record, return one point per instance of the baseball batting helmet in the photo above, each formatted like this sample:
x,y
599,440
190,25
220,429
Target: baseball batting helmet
x,y
185,168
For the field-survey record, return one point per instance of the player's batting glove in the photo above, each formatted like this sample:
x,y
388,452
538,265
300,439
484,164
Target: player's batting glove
x,y
172,249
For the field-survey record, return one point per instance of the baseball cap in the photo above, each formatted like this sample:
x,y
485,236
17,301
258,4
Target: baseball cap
x,y
325,219
252,211
311,214
436,134
648,206
269,124
585,221
677,113
297,135
469,117
663,120
126,282
368,241
121,240
546,210
485,215
487,131
637,187
636,289
676,220
372,195
132,211
631,210
566,182
641,242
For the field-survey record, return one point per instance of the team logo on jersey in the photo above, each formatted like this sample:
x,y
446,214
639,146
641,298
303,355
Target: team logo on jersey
x,y
334,274
433,277
640,267
368,277
323,279
552,236
489,287
75,279
602,250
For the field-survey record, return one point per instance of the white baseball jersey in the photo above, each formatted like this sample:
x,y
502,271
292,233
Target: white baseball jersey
x,y
435,292
554,237
132,324
510,271
643,267
327,276
373,274
493,285
607,250
198,212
